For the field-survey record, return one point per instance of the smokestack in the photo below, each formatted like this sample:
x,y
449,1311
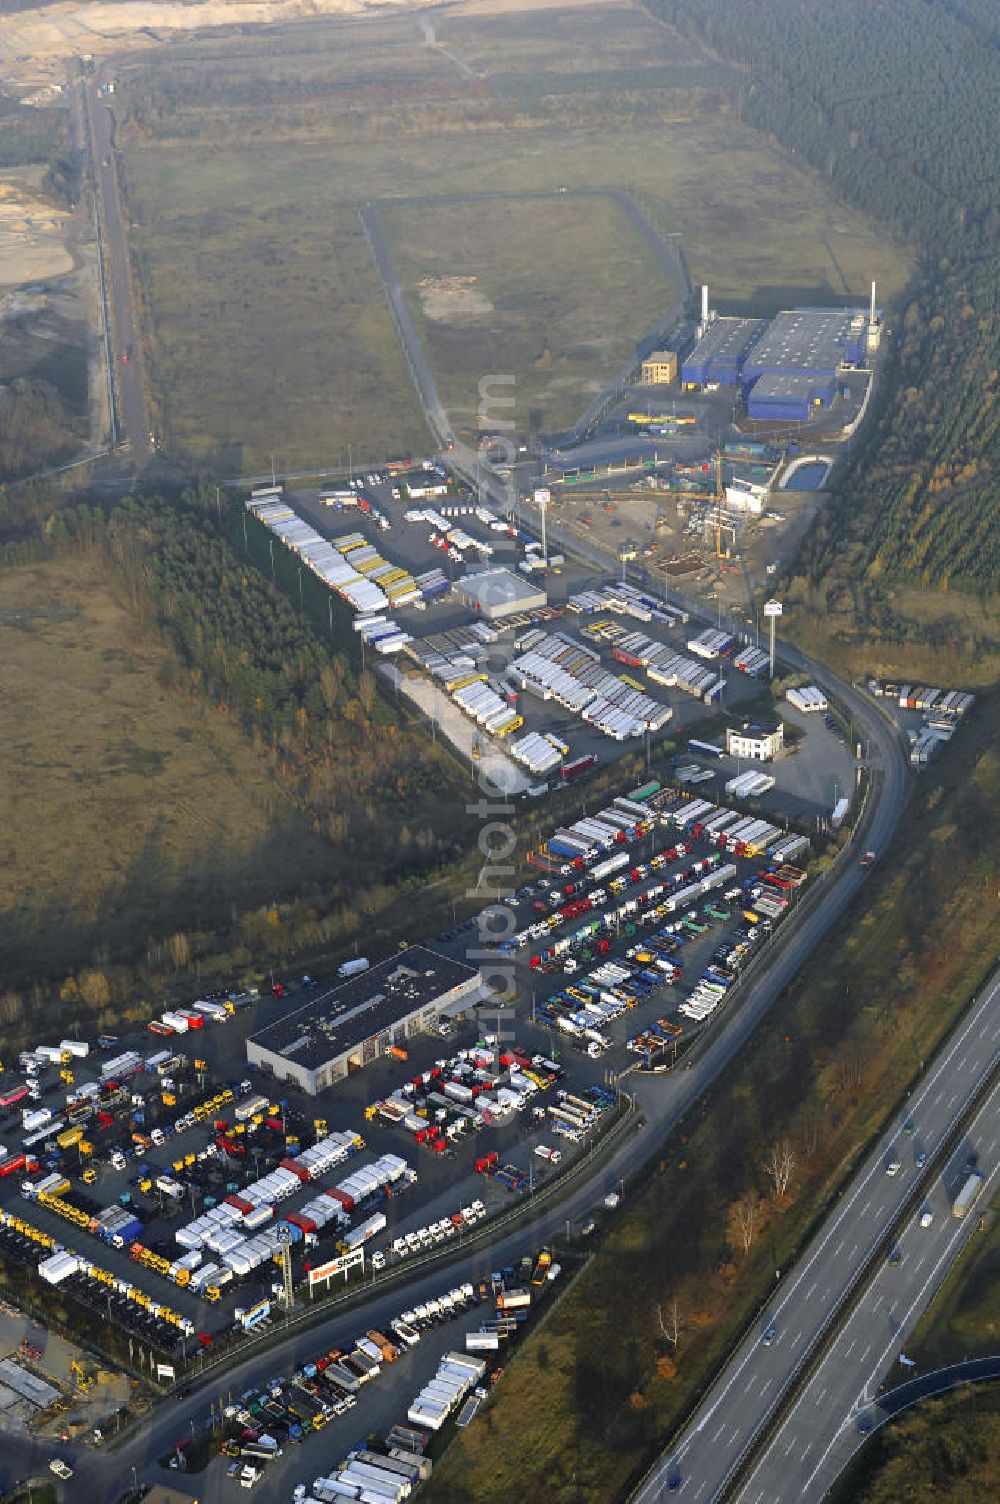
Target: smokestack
x,y
872,315
704,303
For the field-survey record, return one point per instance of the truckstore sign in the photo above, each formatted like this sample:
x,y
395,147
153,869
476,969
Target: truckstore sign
x,y
255,1315
323,1273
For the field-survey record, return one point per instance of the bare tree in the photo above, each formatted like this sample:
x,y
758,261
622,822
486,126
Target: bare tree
x,y
744,1216
671,1322
780,1166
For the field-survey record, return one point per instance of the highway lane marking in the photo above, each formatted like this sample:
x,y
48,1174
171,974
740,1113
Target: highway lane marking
x,y
789,1446
736,1432
866,1206
819,1397
899,1334
796,1338
839,1246
810,1290
765,1387
876,1168
854,1343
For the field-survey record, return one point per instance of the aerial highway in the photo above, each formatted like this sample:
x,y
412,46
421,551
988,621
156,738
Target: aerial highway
x,y
114,250
702,1462
837,1408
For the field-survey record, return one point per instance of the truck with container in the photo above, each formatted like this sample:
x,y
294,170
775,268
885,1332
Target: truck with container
x,y
970,1190
353,968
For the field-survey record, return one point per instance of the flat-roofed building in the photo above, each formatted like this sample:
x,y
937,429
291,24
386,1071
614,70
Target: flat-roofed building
x,y
356,1021
659,368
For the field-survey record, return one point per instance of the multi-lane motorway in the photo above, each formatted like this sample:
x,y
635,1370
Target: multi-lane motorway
x,y
702,1463
833,1415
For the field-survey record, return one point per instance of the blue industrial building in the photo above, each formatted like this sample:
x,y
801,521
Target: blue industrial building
x,y
789,396
718,356
786,369
792,369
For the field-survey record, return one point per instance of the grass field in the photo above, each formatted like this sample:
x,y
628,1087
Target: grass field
x,y
511,286
244,162
127,809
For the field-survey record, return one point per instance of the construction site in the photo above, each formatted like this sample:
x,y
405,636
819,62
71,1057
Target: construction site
x,y
49,1387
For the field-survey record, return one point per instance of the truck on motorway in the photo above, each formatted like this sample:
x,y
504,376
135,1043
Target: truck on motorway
x,y
967,1195
353,968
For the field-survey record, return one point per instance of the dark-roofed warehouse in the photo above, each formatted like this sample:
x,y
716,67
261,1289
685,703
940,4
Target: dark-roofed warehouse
x,y
360,1019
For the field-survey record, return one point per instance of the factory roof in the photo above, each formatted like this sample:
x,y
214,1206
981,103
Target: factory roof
x,y
498,589
355,1010
724,337
791,385
804,340
659,357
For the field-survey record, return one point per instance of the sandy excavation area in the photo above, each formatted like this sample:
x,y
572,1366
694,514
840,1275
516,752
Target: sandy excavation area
x,y
32,236
34,43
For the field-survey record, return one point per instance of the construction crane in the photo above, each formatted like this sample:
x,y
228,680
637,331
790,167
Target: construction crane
x,y
717,497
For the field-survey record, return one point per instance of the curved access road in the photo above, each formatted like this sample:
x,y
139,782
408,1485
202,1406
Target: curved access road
x,y
799,1463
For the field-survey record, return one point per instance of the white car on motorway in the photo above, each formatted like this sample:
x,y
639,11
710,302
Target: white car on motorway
x,y
60,1468
926,1218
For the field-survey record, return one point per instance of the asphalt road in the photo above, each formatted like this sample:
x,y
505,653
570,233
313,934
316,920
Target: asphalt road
x,y
829,1422
749,1389
114,249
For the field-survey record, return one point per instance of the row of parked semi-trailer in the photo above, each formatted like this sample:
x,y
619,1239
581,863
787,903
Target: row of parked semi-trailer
x,y
485,706
553,666
236,1231
645,894
60,1264
744,835
334,1381
623,599
662,662
349,565
944,702
808,698
538,753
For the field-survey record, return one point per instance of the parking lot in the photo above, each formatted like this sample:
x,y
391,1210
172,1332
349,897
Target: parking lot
x,y
165,1176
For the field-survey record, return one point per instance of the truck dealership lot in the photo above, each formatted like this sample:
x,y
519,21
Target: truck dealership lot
x,y
165,1188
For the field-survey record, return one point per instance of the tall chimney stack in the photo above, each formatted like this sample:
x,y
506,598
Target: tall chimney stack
x,y
704,303
872,315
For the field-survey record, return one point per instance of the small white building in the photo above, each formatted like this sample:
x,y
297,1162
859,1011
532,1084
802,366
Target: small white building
x,y
759,741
